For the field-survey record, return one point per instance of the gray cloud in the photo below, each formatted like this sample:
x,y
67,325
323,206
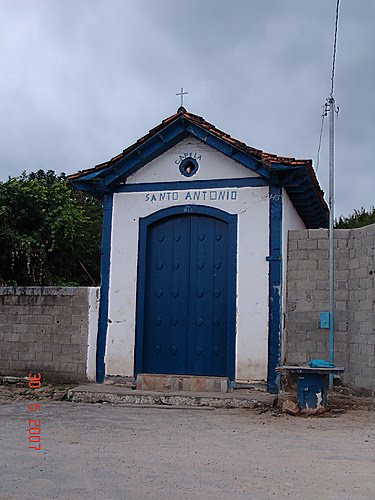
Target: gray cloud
x,y
83,79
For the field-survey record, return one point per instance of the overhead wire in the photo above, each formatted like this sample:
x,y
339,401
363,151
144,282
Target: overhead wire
x,y
320,142
334,49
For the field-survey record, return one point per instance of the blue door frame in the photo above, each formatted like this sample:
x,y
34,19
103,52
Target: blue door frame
x,y
275,287
187,210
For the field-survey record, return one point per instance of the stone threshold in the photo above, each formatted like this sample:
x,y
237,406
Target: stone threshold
x,y
180,383
100,393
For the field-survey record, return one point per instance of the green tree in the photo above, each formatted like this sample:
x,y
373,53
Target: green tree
x,y
49,233
358,218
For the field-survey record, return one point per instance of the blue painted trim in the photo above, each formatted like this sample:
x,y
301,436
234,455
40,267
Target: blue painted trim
x,y
232,277
186,185
164,140
275,287
104,287
92,187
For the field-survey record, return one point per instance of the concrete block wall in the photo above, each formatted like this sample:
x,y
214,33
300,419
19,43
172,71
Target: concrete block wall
x,y
308,295
45,329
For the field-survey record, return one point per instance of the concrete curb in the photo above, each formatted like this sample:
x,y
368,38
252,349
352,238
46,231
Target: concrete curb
x,y
120,395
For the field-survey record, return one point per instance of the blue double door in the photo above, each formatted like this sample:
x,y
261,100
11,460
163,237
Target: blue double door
x,y
185,324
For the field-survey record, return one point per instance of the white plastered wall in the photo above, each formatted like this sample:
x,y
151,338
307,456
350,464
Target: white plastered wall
x,y
93,318
212,165
250,204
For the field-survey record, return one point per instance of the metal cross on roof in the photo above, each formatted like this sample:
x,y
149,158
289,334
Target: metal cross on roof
x,y
182,93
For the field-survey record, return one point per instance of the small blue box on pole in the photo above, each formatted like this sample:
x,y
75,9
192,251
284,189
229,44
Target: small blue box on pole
x,y
325,320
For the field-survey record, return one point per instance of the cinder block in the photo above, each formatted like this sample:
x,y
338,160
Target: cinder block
x,y
292,245
28,318
341,234
298,234
341,285
341,244
293,265
37,329
29,337
79,310
54,348
318,254
62,366
353,263
61,339
79,339
297,358
36,347
21,328
308,264
81,300
79,358
12,337
318,234
362,382
342,274
44,356
6,328
62,320
323,265
8,317
368,350
12,356
69,349
307,244
342,265
323,244
25,356
342,254
4,364
366,283
57,356
306,285
80,320
46,319
11,300
298,255
360,273
5,347
322,285
81,349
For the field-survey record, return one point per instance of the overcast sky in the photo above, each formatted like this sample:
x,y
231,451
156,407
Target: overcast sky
x,y
82,79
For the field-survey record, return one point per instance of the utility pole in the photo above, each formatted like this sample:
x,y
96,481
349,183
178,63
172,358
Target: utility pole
x,y
332,109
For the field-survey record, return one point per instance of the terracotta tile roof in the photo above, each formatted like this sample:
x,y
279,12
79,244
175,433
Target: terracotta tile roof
x,y
266,158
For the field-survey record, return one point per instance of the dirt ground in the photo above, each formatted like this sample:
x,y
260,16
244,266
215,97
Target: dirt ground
x,y
101,451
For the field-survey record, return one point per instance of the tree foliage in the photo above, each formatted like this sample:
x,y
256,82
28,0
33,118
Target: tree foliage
x,y
358,218
49,233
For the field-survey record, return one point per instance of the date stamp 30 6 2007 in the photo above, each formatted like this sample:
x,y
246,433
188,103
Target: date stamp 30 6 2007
x,y
34,425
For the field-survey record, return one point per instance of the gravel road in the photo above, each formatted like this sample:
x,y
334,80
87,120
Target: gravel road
x,y
116,452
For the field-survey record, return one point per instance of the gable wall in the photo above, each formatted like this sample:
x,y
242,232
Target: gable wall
x,y
213,165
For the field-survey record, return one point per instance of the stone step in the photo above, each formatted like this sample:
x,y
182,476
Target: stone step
x,y
112,394
178,383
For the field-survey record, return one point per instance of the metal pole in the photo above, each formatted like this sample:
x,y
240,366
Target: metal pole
x,y
331,102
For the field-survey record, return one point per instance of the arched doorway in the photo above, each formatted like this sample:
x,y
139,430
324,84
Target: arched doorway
x,y
186,292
